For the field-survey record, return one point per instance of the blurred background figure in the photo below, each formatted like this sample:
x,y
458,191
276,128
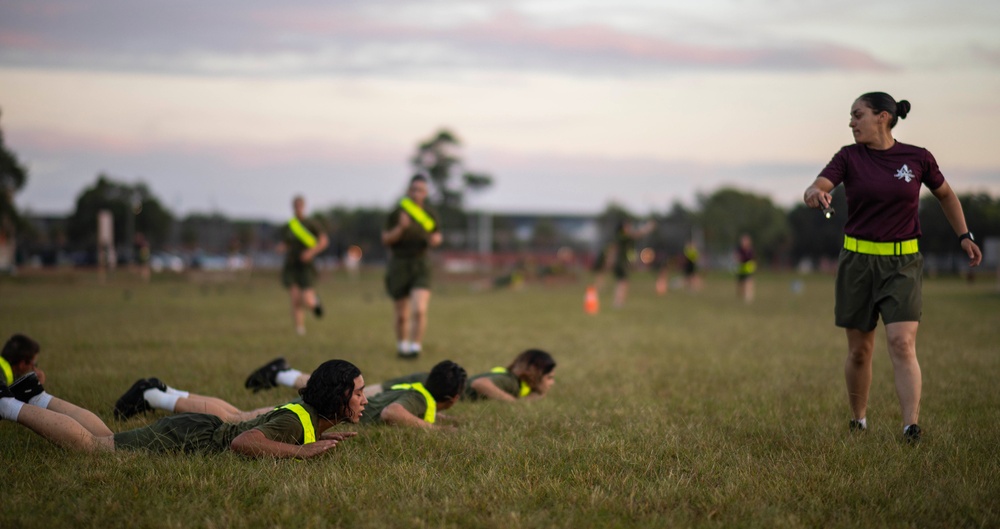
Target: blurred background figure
x,y
746,265
410,230
302,239
626,234
692,280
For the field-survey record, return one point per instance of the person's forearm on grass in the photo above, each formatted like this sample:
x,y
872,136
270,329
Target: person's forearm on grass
x,y
253,443
488,389
396,414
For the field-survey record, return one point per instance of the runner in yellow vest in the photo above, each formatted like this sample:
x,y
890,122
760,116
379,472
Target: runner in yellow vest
x,y
746,266
692,280
302,239
410,230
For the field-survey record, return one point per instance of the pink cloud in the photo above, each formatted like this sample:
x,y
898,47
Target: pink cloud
x,y
511,30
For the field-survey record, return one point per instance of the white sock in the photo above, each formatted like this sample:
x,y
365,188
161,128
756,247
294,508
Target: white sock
x,y
403,346
287,377
41,400
10,408
179,393
414,347
864,422
160,400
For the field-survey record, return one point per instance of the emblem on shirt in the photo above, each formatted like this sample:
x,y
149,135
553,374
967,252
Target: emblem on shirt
x,y
904,173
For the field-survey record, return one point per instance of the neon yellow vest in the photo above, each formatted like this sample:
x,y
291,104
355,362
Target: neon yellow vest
x,y
8,373
748,267
431,412
309,433
418,214
691,253
525,388
301,233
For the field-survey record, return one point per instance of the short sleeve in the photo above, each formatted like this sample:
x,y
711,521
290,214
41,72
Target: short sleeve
x,y
413,402
392,219
283,428
932,176
836,170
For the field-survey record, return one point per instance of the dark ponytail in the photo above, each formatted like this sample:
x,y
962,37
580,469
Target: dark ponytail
x,y
882,102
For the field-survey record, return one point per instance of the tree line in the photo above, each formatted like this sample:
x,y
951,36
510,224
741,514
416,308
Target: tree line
x,y
781,237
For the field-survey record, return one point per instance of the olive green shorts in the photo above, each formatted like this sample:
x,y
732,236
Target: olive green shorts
x,y
402,275
300,275
184,432
873,285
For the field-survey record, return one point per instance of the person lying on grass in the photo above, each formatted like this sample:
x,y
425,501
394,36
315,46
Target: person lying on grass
x,y
335,394
529,376
19,357
418,404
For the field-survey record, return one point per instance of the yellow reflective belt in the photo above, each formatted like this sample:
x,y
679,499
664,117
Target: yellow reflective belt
x,y
748,267
525,388
418,214
309,433
301,233
881,248
431,403
8,373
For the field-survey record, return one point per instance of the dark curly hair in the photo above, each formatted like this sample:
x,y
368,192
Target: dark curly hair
x,y
533,364
19,348
329,389
446,380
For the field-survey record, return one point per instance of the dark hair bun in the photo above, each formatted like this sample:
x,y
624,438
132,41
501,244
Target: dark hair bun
x,y
902,109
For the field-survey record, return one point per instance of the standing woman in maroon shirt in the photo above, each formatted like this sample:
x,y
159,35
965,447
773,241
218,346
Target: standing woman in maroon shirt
x,y
880,267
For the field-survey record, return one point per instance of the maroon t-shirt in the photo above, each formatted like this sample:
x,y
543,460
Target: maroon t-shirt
x,y
883,189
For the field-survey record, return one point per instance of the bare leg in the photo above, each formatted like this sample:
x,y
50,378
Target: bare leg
x,y
309,298
858,369
62,430
749,290
298,314
902,341
402,316
207,405
241,416
86,418
301,381
421,299
621,292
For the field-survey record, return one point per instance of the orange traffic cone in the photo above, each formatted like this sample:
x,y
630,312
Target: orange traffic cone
x,y
590,303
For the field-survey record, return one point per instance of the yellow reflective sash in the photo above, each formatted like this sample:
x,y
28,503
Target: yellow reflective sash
x,y
525,388
748,267
881,248
8,373
691,254
309,433
418,214
301,233
431,412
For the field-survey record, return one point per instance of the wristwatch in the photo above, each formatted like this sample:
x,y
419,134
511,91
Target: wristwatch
x,y
966,235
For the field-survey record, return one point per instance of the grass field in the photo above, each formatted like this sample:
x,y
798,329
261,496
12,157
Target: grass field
x,y
676,411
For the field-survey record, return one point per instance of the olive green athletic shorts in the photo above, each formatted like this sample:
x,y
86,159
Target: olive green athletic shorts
x,y
184,432
402,275
873,285
620,271
300,275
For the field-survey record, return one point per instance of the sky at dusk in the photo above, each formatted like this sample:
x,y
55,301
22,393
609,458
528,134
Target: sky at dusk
x,y
234,107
